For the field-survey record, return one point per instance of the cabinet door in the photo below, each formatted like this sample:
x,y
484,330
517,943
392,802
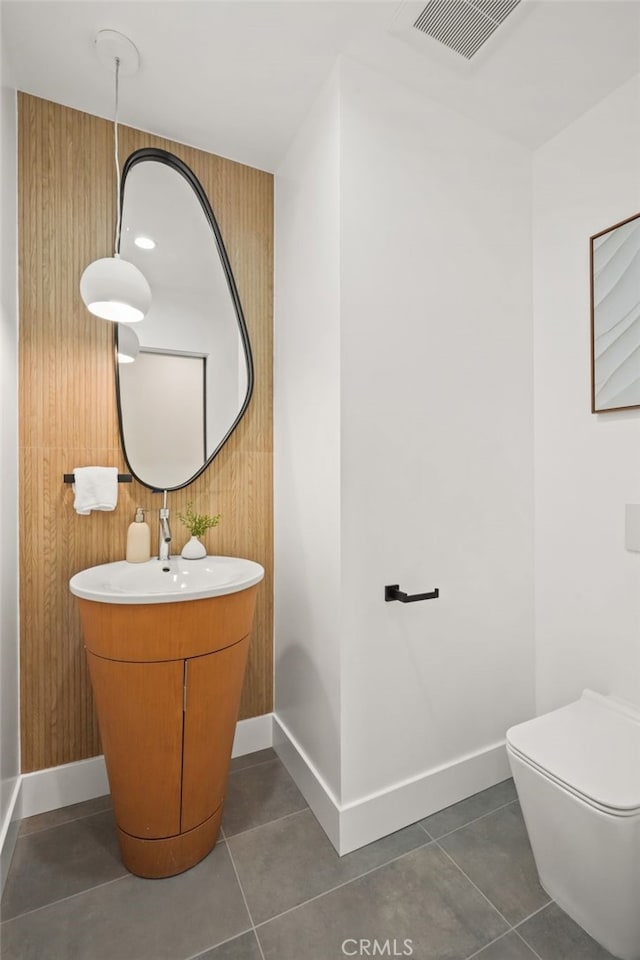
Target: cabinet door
x,y
140,711
213,687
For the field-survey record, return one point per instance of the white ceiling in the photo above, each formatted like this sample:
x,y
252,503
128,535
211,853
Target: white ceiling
x,y
236,77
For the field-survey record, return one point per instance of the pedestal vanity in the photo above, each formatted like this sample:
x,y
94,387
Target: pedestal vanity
x,y
167,639
167,645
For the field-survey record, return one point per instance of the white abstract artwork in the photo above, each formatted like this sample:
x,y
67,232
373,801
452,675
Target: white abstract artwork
x,y
615,316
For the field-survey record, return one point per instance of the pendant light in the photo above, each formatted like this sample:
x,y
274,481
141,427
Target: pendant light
x,y
112,288
128,344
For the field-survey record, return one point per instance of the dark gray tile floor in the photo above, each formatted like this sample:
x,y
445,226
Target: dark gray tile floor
x,y
457,885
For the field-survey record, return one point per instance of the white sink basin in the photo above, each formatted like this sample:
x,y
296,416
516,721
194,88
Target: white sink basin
x,y
165,581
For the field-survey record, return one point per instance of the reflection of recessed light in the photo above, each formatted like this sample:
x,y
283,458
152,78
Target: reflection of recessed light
x,y
145,243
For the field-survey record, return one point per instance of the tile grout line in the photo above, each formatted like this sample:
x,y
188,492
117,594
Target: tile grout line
x,y
485,897
246,904
527,944
63,823
252,766
535,913
345,883
429,839
268,823
475,820
422,827
72,896
201,953
512,928
490,944
338,886
514,931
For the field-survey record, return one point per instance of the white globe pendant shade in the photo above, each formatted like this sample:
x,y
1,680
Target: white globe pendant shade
x,y
128,344
115,289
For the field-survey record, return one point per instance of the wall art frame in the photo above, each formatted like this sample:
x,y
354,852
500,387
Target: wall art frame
x,y
615,316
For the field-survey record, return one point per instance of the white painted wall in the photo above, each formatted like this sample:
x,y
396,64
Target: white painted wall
x,y
587,466
9,677
404,438
307,440
437,434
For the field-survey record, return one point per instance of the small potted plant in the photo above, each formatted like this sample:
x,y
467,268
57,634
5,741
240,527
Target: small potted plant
x,y
197,524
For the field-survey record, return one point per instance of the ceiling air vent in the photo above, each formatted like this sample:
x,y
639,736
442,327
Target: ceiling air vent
x,y
463,25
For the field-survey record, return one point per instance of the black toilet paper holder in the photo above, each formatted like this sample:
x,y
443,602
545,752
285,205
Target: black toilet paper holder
x,y
393,592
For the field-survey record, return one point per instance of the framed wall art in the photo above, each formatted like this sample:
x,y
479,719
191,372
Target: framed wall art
x,y
615,316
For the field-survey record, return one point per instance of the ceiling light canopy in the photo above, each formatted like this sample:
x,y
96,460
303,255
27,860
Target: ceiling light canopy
x,y
112,288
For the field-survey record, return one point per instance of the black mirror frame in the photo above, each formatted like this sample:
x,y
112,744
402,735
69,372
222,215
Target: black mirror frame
x,y
163,156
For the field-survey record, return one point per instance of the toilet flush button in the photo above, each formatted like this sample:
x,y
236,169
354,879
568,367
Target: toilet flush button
x,y
632,526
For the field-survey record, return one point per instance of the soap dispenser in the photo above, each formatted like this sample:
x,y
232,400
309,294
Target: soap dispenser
x,y
138,539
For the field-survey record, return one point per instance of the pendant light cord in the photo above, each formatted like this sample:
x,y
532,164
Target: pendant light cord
x,y
116,243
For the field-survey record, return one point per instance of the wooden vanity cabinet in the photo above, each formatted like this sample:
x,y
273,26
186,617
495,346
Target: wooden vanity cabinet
x,y
167,680
141,725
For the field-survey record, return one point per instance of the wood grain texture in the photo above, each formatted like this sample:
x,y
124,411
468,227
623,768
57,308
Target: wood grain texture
x,y
141,718
166,631
164,858
213,684
68,412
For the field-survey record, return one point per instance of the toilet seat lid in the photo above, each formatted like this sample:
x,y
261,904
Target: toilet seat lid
x,y
592,746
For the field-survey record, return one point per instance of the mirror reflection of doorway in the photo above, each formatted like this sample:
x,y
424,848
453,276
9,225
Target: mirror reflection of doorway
x,y
166,425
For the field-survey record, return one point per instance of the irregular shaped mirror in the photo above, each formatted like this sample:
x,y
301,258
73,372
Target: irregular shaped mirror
x,y
190,382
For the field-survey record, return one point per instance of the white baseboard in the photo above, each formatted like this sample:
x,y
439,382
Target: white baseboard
x,y
9,833
55,787
348,826
353,825
311,785
253,734
385,812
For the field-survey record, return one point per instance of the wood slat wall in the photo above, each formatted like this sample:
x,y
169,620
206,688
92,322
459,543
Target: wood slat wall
x,y
68,415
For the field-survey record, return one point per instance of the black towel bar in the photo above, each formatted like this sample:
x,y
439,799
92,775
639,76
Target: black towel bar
x,y
122,478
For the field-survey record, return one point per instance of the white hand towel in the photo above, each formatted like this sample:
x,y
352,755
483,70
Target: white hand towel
x,y
96,488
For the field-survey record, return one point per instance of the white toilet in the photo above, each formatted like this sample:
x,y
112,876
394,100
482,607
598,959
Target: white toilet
x,y
577,773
